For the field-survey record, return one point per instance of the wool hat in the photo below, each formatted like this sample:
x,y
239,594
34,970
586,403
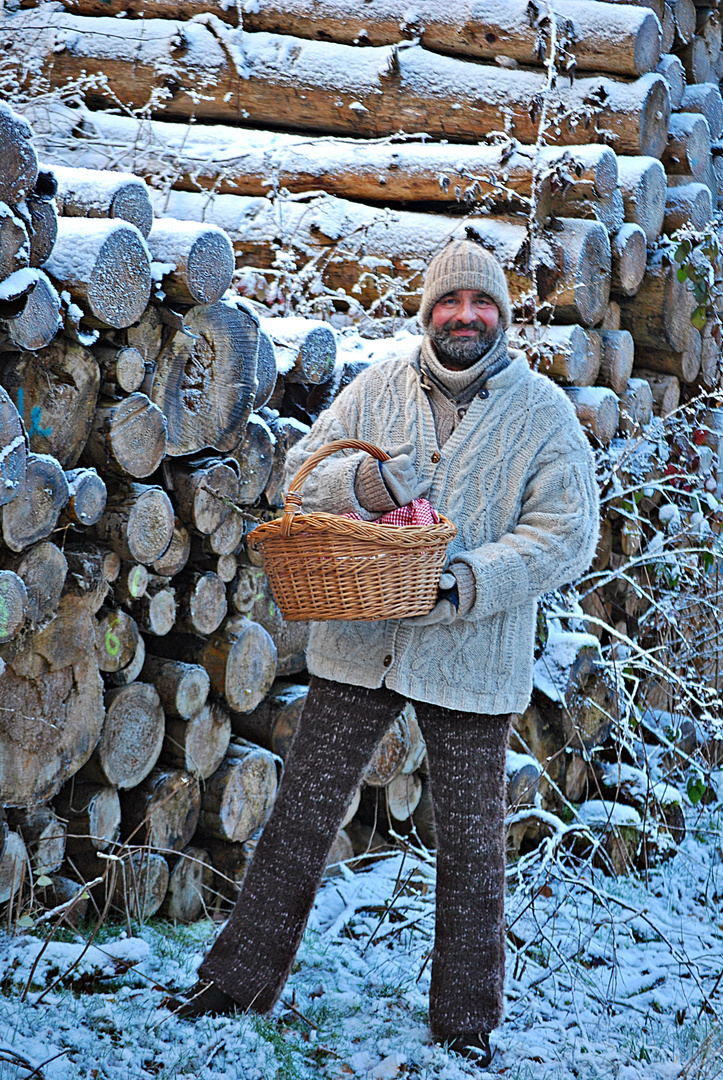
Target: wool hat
x,y
465,264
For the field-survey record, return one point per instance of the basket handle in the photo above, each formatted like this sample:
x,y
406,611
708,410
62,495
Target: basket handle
x,y
292,502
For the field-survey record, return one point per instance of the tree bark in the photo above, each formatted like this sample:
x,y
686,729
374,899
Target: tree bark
x,y
205,384
105,266
197,260
34,513
131,739
127,438
55,390
97,193
198,743
162,811
377,91
138,523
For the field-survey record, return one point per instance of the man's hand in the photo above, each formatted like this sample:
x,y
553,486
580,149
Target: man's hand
x,y
400,476
446,609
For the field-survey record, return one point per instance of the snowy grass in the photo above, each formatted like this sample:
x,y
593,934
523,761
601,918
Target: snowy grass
x,y
618,978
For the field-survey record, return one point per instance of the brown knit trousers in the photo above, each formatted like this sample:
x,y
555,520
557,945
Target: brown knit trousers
x,y
338,733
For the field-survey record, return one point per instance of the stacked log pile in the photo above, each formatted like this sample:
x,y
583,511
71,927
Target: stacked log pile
x,y
157,420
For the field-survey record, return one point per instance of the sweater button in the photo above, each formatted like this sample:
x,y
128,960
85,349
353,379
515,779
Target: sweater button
x,y
483,393
436,457
387,661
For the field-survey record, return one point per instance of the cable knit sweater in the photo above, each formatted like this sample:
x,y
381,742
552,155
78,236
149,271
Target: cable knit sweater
x,y
516,477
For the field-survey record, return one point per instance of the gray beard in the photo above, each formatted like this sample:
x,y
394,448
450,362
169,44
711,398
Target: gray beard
x,y
461,353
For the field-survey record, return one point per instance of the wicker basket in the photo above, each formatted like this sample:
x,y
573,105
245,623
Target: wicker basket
x,y
323,566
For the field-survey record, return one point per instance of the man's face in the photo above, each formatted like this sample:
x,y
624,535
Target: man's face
x,y
464,324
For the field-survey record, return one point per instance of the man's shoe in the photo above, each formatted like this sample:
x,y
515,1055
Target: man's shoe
x,y
474,1046
202,999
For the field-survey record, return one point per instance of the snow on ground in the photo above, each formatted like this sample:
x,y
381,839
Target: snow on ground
x,y
607,978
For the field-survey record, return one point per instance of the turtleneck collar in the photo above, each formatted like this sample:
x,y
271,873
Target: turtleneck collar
x,y
457,384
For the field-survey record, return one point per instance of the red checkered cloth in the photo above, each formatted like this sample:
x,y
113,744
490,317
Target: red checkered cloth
x,y
417,512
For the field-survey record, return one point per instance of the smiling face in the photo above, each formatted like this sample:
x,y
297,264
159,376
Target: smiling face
x,y
463,325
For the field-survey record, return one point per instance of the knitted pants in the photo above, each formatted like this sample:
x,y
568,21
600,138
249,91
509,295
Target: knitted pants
x,y
338,733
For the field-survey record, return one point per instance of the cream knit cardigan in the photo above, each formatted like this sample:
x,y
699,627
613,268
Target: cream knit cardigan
x,y
516,477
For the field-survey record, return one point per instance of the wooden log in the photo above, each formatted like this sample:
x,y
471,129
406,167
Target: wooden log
x,y
628,254
93,816
34,513
155,612
240,659
667,26
705,98
141,885
636,406
43,569
101,193
688,149
202,605
55,390
13,450
122,369
665,390
673,72
390,755
287,433
204,492
238,798
138,523
643,187
266,371
91,570
226,539
568,354
37,320
696,61
255,457
618,353
14,605
377,91
403,795
689,204
599,38
132,670
182,688
684,365
597,410
611,319
131,584
14,242
205,383
685,20
131,738
305,349
659,315
290,638
44,836
147,335
116,639
609,211
51,673
127,437
18,160
710,357
105,266
618,830
43,231
198,743
189,891
162,811
273,723
61,892
197,260
176,555
541,732
13,862
87,497
523,780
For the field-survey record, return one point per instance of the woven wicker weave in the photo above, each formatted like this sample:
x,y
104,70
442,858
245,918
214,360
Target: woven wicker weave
x,y
323,566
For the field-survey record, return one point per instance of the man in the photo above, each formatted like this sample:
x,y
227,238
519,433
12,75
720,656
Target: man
x,y
498,449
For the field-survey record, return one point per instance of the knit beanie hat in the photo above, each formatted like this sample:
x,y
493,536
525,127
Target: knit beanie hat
x,y
464,264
